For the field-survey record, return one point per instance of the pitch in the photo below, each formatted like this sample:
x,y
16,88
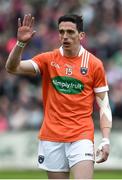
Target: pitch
x,y
31,174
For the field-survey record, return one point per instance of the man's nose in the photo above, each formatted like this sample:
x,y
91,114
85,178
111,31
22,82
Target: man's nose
x,y
65,35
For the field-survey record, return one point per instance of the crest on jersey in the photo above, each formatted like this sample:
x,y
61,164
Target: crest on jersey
x,y
83,70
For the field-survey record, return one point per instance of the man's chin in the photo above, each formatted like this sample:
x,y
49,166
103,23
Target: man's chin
x,y
67,47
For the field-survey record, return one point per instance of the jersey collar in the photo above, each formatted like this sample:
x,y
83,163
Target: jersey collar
x,y
79,54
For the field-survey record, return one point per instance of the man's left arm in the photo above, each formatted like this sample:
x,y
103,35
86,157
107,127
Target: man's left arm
x,y
105,126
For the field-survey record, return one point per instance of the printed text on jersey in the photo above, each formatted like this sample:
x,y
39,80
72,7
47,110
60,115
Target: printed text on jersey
x,y
67,85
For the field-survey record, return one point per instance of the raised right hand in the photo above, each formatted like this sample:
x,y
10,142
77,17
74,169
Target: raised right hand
x,y
25,28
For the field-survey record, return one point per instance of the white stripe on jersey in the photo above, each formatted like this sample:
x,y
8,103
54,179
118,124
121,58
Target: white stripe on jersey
x,y
85,59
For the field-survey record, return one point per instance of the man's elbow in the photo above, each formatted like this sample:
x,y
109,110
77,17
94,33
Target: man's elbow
x,y
9,70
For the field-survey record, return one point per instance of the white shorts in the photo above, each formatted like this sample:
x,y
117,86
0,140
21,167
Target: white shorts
x,y
60,157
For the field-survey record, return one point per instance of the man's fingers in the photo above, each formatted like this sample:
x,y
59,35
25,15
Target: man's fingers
x,y
31,22
33,33
102,155
100,160
103,158
98,156
28,19
19,22
24,20
98,153
105,154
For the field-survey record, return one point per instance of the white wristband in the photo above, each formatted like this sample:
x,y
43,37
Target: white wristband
x,y
103,143
21,44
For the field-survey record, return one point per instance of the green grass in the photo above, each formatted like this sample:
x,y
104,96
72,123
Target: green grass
x,y
15,174
108,174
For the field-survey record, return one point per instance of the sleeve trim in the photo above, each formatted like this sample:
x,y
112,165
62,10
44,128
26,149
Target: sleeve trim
x,y
101,89
36,67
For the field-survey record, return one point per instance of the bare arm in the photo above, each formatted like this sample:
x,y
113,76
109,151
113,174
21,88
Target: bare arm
x,y
105,125
14,64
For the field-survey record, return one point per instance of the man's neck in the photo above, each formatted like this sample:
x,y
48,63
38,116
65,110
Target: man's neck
x,y
72,53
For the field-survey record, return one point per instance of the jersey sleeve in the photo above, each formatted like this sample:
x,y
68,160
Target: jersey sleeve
x,y
100,80
39,62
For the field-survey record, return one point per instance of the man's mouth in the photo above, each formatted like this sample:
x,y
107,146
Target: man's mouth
x,y
66,43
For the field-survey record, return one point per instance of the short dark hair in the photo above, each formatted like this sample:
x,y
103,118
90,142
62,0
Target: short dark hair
x,y
78,20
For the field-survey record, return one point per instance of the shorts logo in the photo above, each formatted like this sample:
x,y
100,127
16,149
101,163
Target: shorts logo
x,y
40,159
88,154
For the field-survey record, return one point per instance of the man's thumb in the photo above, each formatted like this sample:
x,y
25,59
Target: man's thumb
x,y
33,33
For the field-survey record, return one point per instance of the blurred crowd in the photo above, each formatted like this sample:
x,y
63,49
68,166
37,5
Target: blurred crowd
x,y
20,97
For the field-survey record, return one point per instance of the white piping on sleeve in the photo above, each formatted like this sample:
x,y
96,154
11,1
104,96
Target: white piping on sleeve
x,y
101,89
36,67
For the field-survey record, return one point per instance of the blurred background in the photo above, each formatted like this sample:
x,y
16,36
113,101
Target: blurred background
x,y
21,109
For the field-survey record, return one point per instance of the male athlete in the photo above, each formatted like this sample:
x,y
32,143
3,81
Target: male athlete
x,y
71,78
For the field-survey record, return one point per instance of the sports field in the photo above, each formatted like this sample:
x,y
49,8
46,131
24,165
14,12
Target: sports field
x,y
108,174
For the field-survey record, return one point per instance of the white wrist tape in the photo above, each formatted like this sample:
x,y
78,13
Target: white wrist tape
x,y
103,143
105,111
21,44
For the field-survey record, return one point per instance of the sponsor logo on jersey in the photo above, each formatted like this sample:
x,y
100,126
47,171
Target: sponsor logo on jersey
x,y
67,85
40,159
54,64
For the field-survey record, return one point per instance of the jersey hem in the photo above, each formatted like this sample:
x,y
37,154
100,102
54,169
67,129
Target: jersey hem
x,y
63,140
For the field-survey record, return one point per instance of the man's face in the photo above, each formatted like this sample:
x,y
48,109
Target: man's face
x,y
69,35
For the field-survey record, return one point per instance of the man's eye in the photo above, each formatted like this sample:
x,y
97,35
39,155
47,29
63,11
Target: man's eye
x,y
70,32
61,31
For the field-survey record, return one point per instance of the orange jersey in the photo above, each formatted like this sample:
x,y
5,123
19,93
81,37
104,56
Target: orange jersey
x,y
69,86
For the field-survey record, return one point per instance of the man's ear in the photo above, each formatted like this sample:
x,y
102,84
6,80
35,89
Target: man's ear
x,y
81,35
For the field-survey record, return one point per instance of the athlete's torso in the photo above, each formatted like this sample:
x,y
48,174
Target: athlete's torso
x,y
68,92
